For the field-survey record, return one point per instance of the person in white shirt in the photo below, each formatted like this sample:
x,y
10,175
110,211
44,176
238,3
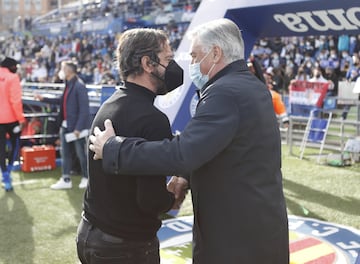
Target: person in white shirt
x,y
318,77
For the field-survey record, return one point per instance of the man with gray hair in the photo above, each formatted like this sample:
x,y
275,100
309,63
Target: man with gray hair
x,y
231,147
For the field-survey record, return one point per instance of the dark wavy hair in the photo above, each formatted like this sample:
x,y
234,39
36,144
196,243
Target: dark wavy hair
x,y
136,43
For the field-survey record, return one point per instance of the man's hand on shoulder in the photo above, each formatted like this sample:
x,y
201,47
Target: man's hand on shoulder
x,y
99,138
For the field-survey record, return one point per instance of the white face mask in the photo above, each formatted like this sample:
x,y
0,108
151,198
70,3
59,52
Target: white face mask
x,y
61,75
195,73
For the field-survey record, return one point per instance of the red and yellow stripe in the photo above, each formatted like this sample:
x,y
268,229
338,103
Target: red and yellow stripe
x,y
309,250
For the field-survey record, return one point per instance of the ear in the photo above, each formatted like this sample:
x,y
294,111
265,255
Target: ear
x,y
147,64
217,55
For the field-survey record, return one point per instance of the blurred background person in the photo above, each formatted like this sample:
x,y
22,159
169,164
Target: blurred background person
x,y
74,117
279,106
11,119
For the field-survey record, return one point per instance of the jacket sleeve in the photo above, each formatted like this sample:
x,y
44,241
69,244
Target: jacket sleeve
x,y
208,133
16,99
83,120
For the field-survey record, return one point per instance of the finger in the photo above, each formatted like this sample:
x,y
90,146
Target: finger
x,y
108,124
97,131
170,187
91,147
92,139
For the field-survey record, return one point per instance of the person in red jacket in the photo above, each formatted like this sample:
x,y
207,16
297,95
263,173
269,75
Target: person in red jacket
x,y
11,119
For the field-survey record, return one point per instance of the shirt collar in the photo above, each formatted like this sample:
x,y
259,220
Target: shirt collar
x,y
133,87
235,66
71,81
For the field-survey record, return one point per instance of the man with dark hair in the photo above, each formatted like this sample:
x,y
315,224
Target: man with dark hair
x,y
74,121
121,214
11,119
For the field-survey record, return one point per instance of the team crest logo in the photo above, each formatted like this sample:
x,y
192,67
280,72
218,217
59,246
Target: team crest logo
x,y
311,241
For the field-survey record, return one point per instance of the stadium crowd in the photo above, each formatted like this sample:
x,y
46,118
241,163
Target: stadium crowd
x,y
283,58
335,58
40,55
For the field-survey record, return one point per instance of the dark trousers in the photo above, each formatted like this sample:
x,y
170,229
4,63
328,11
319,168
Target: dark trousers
x,y
13,151
95,246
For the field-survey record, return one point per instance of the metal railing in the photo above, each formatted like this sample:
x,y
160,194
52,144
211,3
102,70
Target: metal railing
x,y
342,128
339,132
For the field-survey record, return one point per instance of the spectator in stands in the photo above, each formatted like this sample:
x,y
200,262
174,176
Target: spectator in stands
x,y
121,213
354,70
11,119
267,78
331,75
255,67
231,147
317,76
39,72
279,106
301,74
74,117
108,78
308,63
345,63
277,79
86,74
288,76
357,45
333,60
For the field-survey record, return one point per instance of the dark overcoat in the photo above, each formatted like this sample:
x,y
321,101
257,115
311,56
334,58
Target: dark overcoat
x,y
232,148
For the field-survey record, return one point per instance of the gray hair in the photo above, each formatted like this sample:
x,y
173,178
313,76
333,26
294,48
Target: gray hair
x,y
223,33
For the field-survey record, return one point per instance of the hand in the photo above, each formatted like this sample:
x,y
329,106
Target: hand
x,y
77,133
99,139
178,186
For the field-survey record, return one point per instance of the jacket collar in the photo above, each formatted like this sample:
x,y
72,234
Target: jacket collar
x,y
70,83
133,87
235,66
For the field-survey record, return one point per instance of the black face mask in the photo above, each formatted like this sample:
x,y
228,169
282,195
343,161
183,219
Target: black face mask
x,y
173,77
